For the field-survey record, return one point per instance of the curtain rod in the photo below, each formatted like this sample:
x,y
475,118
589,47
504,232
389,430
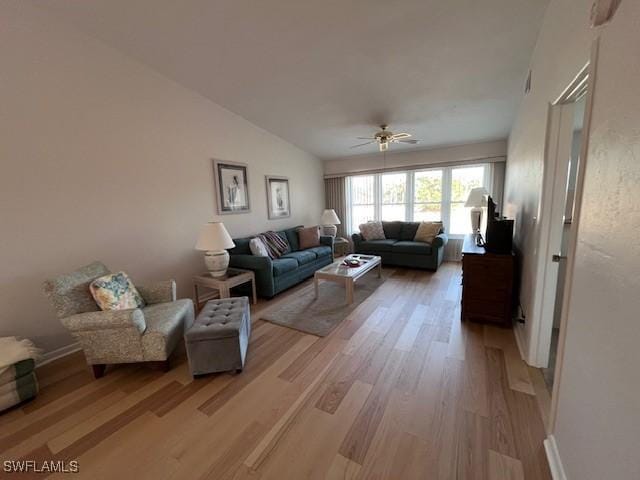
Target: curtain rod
x,y
406,168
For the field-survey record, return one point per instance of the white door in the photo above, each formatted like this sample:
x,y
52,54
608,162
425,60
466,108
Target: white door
x,y
558,199
568,226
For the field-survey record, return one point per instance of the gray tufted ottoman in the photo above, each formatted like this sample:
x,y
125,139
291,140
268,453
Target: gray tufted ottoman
x,y
218,339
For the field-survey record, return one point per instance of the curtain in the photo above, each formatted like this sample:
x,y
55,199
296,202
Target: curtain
x,y
496,186
336,198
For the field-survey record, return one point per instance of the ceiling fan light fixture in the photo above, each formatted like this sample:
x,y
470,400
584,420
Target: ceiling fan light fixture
x,y
385,137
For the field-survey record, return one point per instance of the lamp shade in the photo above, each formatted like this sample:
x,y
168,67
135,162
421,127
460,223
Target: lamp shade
x,y
214,237
329,217
477,197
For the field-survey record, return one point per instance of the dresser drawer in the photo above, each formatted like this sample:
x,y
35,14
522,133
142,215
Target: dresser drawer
x,y
476,290
479,268
486,309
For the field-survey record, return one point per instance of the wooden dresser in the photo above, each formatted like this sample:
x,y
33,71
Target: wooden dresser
x,y
487,284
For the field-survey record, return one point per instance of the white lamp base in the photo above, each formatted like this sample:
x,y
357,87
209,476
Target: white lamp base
x,y
217,263
330,230
476,218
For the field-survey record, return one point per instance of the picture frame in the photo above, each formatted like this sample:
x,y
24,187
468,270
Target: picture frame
x,y
278,197
232,187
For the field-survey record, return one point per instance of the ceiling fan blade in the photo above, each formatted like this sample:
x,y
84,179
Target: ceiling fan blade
x,y
408,141
398,136
362,144
384,146
365,138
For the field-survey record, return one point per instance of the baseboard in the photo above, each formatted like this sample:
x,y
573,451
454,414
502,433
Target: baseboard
x,y
517,332
553,457
58,353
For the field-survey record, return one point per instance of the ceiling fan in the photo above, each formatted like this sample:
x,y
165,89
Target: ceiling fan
x,y
385,137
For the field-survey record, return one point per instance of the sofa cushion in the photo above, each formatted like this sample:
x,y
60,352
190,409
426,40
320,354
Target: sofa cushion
x,y
292,237
242,246
377,245
309,237
321,251
301,256
418,248
284,265
392,229
164,321
408,231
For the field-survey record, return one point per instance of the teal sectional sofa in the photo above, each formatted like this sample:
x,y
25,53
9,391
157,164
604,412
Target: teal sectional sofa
x,y
399,249
274,276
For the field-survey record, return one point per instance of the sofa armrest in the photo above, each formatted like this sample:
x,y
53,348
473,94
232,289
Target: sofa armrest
x,y
327,240
357,238
106,320
158,292
440,240
262,267
251,262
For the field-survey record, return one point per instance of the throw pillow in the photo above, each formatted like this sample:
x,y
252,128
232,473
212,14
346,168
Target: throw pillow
x,y
427,231
309,237
276,245
372,231
258,248
116,292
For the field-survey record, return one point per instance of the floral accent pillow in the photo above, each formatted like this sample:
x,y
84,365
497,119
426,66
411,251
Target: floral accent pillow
x,y
116,292
372,231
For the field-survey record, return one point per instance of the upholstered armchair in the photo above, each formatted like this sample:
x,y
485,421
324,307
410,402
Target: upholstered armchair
x,y
146,334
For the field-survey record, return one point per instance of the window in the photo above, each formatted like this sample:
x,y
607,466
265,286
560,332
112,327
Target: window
x,y
362,199
394,196
427,196
421,195
463,180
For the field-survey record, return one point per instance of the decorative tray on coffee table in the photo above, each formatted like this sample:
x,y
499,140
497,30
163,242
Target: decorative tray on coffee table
x,y
355,260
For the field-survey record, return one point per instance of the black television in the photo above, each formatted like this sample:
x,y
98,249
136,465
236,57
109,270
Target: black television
x,y
498,237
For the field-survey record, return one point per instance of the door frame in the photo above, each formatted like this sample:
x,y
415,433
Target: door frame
x,y
550,210
561,119
573,235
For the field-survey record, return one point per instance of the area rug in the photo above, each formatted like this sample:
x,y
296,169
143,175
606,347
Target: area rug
x,y
319,316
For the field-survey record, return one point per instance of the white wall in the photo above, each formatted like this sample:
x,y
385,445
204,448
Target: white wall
x,y
494,150
102,158
562,49
598,423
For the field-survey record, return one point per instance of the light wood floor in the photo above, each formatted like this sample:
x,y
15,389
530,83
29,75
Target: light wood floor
x,y
400,390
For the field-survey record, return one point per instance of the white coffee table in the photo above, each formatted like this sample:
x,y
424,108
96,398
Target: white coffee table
x,y
338,272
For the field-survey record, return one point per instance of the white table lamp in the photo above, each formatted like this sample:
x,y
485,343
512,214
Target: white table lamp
x,y
476,200
329,220
214,240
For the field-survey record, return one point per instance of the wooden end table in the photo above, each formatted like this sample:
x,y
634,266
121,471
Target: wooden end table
x,y
222,285
339,273
341,247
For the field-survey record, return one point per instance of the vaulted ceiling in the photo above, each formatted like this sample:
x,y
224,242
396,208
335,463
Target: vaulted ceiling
x,y
320,73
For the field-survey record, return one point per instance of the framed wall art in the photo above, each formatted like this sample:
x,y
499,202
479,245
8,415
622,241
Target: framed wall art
x,y
232,187
278,200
